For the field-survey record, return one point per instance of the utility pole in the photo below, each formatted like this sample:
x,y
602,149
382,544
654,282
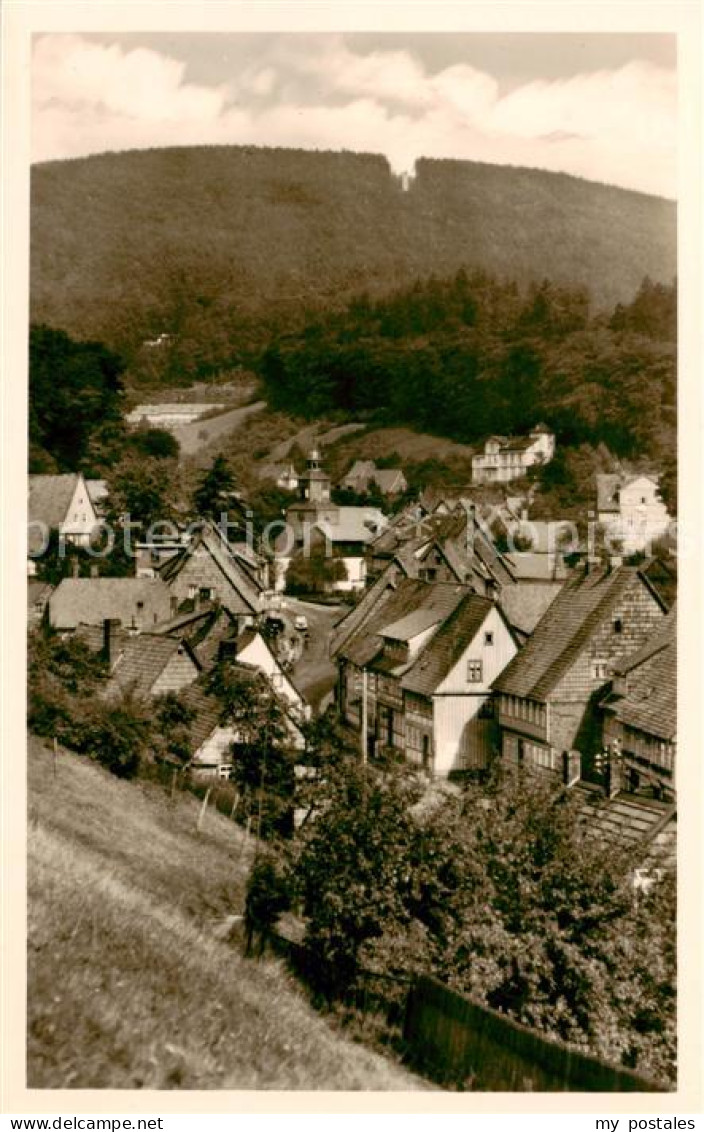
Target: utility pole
x,y
364,717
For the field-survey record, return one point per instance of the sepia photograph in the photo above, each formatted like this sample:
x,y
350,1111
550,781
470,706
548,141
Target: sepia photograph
x,y
352,562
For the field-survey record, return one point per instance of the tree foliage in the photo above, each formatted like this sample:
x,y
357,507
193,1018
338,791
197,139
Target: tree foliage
x,y
502,892
75,395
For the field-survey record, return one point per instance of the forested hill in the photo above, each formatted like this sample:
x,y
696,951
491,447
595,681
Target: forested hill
x,y
470,356
220,245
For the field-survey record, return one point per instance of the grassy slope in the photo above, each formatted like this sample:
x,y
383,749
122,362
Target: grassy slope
x,y
129,986
125,245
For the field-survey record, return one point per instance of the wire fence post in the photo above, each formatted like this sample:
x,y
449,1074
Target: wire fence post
x,y
203,808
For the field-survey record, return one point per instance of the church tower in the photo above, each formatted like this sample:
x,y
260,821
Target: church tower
x,y
315,483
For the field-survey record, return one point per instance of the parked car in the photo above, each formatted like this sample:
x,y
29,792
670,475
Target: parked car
x,y
301,622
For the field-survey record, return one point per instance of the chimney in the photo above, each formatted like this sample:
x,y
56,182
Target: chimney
x,y
492,589
94,570
110,627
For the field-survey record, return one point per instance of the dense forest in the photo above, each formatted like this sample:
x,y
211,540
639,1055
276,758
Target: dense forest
x,y
221,247
470,356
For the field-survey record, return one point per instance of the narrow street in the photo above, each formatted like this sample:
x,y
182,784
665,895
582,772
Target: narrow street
x,y
315,673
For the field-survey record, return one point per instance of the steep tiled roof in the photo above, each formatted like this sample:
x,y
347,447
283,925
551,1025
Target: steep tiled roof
x,y
360,613
649,703
92,600
409,597
139,659
573,616
49,498
208,540
207,714
412,624
446,647
527,602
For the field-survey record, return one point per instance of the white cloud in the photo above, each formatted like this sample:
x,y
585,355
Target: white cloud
x,y
614,125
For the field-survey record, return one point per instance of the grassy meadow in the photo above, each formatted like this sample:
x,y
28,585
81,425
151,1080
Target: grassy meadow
x,y
130,983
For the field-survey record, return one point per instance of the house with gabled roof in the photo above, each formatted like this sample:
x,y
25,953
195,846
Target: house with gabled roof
x,y
418,667
631,510
640,713
508,458
58,503
144,665
213,741
204,627
547,698
207,569
253,649
364,474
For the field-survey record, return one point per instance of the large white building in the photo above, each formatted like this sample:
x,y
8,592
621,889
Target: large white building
x,y
508,458
630,510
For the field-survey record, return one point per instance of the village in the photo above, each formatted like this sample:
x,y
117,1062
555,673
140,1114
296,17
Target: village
x,y
431,636
342,639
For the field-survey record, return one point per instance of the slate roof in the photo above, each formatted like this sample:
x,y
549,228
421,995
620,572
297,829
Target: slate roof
x,y
412,624
207,714
446,647
577,611
92,600
409,596
49,498
527,602
139,660
209,540
204,628
360,613
649,703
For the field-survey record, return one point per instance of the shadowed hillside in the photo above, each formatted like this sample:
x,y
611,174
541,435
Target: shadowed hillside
x,y
218,246
130,983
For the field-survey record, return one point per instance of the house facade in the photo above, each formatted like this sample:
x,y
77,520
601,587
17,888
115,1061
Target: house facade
x,y
547,698
422,681
62,503
207,570
142,664
631,511
508,458
640,714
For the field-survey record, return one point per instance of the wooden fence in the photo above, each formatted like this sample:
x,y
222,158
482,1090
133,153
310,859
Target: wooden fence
x,y
458,1042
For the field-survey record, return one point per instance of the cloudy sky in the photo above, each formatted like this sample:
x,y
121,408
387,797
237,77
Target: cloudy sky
x,y
599,106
